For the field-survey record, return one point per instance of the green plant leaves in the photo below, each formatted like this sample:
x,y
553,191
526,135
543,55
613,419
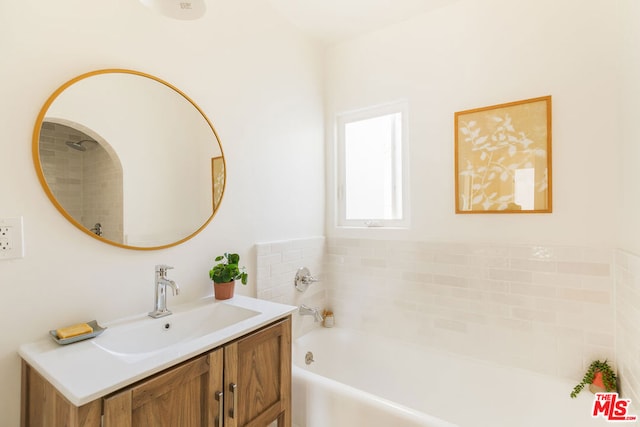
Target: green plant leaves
x,y
227,269
609,378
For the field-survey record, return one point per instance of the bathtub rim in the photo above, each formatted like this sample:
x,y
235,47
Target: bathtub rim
x,y
583,402
398,409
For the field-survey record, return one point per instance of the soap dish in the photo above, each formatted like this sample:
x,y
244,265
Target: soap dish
x,y
97,330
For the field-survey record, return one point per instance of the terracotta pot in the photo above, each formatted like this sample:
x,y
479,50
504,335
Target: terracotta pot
x,y
597,386
223,290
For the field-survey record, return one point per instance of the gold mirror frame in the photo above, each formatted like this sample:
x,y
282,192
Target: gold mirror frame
x,y
503,158
47,189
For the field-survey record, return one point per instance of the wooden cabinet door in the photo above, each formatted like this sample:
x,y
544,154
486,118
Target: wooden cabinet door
x,y
258,378
184,396
44,406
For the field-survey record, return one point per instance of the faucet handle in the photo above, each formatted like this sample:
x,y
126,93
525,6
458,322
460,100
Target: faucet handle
x,y
303,279
162,268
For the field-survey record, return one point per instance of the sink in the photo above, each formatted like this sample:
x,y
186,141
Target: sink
x,y
146,336
132,348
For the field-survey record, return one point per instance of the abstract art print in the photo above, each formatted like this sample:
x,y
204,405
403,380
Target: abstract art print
x,y
503,158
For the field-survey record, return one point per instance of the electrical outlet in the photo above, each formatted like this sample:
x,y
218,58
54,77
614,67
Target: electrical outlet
x,y
11,239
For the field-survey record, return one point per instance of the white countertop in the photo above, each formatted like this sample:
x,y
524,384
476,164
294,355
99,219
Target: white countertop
x,y
84,371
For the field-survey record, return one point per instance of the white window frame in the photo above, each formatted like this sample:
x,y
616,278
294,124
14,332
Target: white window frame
x,y
340,197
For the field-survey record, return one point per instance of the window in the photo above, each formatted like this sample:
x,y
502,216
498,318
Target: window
x,y
372,167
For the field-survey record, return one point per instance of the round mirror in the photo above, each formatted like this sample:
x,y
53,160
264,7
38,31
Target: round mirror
x,y
129,159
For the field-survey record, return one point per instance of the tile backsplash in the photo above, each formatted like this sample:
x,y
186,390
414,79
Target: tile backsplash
x,y
277,264
627,301
550,309
544,308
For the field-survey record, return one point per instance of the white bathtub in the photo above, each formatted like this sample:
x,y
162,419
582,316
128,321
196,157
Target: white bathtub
x,y
362,380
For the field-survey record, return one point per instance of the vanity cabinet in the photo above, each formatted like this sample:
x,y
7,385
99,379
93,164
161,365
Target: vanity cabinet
x,y
244,383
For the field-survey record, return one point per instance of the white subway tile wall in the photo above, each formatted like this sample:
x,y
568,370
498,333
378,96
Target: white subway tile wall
x,y
550,309
544,308
628,324
277,264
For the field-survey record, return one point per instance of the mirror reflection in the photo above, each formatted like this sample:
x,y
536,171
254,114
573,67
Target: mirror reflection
x,y
129,159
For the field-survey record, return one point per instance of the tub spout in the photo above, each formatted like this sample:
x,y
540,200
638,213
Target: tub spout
x,y
305,310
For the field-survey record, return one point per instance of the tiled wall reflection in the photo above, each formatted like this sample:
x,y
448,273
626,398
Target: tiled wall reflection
x,y
77,179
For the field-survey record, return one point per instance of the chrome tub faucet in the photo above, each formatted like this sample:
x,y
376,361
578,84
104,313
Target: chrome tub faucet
x,y
305,310
160,297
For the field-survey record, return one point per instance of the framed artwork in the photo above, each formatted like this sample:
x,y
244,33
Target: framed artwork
x,y
217,176
503,158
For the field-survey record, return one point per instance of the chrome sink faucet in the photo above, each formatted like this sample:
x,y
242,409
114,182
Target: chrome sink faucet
x,y
305,310
160,300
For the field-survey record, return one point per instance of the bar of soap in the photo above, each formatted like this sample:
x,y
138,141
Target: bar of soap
x,y
74,330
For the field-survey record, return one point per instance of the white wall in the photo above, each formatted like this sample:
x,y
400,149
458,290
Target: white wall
x,y
628,258
629,92
474,54
259,82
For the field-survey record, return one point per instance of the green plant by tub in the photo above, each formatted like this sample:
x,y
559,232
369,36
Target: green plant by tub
x,y
227,270
609,378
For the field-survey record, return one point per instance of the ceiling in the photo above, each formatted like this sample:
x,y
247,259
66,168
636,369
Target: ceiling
x,y
333,21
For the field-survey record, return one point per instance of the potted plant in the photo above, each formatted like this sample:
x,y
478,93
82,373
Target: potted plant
x,y
600,377
225,273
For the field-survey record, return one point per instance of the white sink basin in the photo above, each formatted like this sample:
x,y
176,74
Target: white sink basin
x,y
147,335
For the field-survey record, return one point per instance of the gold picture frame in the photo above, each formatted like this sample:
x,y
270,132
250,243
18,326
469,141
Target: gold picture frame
x,y
503,158
217,180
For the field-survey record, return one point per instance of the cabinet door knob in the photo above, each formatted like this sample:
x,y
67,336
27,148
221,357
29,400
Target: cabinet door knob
x,y
219,398
233,389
